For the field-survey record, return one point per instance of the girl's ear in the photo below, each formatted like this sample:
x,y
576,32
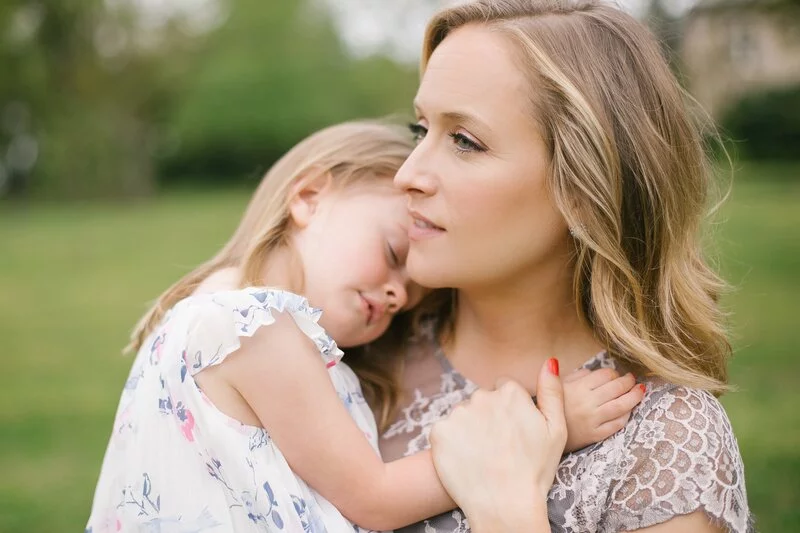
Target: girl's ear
x,y
305,195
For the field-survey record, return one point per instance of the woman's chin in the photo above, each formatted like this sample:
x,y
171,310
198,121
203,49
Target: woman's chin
x,y
430,276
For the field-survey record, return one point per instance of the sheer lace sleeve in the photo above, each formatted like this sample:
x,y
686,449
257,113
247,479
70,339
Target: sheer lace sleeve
x,y
681,456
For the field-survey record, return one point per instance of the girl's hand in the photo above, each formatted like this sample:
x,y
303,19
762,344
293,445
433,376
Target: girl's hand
x,y
597,404
497,454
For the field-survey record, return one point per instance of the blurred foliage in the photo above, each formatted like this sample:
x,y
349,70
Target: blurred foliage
x,y
271,75
767,124
79,99
96,103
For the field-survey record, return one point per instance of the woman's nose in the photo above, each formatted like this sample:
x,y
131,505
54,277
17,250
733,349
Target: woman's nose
x,y
412,177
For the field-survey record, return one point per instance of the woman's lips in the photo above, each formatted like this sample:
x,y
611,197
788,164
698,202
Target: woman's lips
x,y
422,228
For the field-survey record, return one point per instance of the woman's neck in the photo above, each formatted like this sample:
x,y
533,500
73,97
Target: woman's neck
x,y
510,330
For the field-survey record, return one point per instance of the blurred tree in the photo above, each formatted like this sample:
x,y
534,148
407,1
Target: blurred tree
x,y
101,98
79,98
272,74
767,123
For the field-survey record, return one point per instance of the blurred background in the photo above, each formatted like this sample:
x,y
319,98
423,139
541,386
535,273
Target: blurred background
x,y
132,132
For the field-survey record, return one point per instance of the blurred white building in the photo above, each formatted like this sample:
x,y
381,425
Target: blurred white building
x,y
734,47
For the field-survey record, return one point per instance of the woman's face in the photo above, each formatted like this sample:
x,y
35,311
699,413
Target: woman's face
x,y
477,179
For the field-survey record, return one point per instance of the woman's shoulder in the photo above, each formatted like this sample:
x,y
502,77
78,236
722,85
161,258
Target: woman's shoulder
x,y
688,418
683,410
686,429
678,454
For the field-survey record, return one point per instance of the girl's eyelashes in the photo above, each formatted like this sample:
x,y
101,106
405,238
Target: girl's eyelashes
x,y
462,143
393,259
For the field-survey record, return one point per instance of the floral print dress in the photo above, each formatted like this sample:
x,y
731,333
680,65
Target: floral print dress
x,y
175,463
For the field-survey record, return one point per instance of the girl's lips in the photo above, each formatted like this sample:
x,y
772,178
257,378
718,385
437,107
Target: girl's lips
x,y
372,309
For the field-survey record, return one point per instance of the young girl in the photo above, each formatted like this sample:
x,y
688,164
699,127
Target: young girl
x,y
238,414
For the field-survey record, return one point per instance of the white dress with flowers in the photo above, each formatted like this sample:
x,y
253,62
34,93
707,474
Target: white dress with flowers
x,y
175,463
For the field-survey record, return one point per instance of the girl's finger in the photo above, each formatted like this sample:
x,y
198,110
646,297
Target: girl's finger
x,y
598,378
607,429
576,375
613,389
622,405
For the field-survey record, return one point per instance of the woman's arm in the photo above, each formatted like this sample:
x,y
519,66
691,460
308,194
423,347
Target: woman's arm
x,y
279,373
696,522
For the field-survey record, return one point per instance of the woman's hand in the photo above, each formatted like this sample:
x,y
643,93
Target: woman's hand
x,y
497,454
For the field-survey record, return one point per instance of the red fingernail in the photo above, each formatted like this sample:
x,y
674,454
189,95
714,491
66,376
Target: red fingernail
x,y
552,365
641,386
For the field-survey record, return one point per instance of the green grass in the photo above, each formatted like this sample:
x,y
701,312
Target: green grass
x,y
760,253
74,279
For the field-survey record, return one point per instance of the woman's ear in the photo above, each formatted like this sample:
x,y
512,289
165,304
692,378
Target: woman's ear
x,y
305,195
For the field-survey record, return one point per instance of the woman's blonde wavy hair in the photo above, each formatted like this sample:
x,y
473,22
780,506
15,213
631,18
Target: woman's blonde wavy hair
x,y
628,171
351,152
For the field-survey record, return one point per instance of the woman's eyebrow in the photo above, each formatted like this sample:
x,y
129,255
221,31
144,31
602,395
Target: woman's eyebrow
x,y
461,117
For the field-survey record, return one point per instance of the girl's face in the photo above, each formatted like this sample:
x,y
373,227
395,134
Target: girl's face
x,y
353,245
482,216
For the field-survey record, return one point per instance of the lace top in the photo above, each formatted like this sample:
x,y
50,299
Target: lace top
x,y
677,454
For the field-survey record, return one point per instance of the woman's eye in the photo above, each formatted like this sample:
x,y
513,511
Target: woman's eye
x,y
465,144
418,131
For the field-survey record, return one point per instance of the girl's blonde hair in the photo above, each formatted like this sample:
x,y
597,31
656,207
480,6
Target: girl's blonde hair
x,y
628,171
350,152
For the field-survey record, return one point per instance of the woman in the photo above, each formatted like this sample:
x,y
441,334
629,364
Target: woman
x,y
558,188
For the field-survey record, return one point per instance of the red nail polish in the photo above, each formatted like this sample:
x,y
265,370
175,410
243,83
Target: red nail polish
x,y
642,386
552,365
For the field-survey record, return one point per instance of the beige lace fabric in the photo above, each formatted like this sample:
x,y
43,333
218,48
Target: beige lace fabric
x,y
676,455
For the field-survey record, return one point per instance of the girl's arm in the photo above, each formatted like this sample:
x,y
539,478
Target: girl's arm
x,y
279,373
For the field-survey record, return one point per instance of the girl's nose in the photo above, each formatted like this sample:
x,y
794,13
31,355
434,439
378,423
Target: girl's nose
x,y
396,296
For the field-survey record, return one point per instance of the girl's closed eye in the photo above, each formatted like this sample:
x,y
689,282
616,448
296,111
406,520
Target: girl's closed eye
x,y
394,260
